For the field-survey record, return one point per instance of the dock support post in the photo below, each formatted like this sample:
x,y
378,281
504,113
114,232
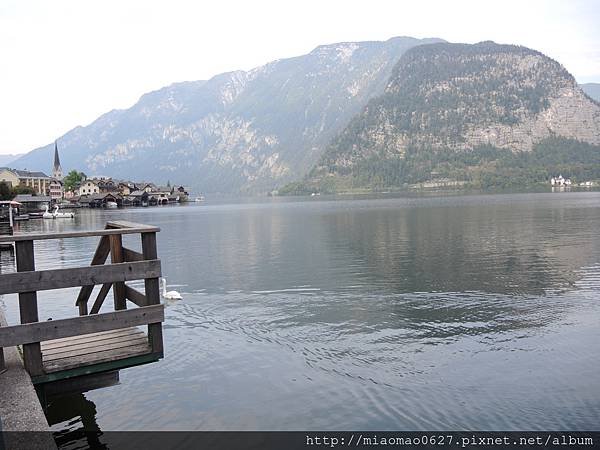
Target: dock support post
x,y
32,354
116,256
152,289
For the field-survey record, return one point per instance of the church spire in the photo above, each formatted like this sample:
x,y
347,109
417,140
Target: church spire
x,y
56,170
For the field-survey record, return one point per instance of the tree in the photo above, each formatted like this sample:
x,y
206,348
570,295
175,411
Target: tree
x,y
72,179
20,189
5,191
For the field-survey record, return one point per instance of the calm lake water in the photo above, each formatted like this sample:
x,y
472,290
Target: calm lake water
x,y
423,313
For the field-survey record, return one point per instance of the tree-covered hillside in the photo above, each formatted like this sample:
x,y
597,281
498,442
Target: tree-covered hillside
x,y
483,114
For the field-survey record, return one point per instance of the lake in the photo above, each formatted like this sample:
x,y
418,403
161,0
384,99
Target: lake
x,y
476,312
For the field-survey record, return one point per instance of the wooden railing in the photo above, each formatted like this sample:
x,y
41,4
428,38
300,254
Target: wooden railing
x,y
126,265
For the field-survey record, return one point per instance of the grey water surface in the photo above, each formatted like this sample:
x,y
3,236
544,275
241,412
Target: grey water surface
x,y
476,312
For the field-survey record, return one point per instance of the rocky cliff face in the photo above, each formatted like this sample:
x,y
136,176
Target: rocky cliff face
x,y
456,97
240,131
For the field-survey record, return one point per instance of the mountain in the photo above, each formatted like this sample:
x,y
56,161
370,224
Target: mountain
x,y
6,159
239,131
459,113
592,90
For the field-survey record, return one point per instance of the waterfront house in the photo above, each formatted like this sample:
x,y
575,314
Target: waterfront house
x,y
107,185
560,181
38,181
88,187
182,194
32,203
56,190
100,200
147,187
137,198
73,199
161,194
98,186
126,187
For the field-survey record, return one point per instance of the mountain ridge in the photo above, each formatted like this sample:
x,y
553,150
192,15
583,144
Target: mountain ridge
x,y
445,100
238,131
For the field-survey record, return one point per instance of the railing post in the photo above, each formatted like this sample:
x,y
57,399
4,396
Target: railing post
x,y
116,256
152,290
32,354
2,362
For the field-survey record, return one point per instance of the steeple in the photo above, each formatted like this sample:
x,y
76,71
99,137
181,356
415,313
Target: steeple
x,y
57,170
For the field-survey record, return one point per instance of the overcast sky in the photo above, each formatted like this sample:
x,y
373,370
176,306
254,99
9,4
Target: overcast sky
x,y
64,63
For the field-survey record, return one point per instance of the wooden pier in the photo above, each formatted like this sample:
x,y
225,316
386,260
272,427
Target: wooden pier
x,y
92,343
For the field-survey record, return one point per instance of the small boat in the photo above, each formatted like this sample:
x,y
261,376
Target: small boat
x,y
111,205
199,199
59,215
47,214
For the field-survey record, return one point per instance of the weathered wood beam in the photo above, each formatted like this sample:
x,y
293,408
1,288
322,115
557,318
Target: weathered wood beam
x,y
74,234
116,256
100,255
44,280
100,298
25,258
54,329
152,289
135,296
131,255
127,224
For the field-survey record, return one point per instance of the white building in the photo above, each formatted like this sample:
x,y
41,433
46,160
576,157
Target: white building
x,y
89,187
560,181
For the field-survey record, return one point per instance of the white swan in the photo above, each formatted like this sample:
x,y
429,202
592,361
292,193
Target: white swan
x,y
48,214
62,215
171,295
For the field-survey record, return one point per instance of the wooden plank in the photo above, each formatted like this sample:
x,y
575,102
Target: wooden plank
x,y
152,289
100,255
85,338
32,355
55,329
135,296
75,234
79,276
76,345
100,298
97,368
131,255
96,358
116,256
128,224
98,348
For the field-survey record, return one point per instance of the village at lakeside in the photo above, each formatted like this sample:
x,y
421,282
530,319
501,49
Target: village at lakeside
x,y
35,191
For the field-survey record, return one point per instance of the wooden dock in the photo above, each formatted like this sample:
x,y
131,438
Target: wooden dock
x,y
93,342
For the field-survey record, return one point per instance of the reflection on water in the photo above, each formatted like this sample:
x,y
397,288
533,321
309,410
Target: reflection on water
x,y
472,312
73,419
